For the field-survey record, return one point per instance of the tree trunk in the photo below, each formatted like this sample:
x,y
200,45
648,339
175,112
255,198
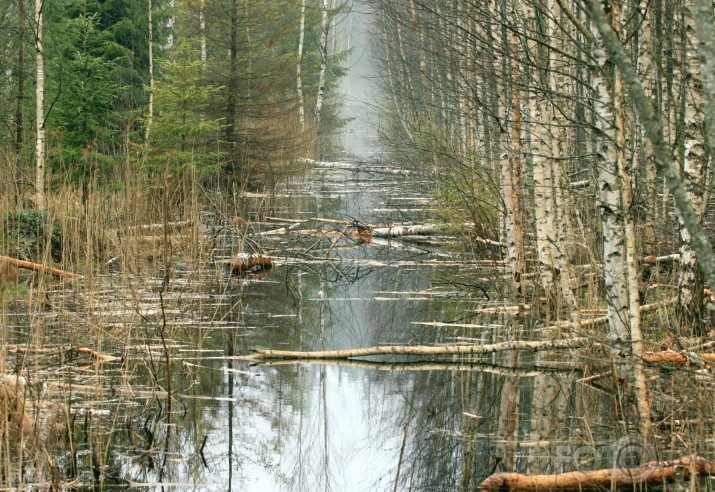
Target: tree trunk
x,y
324,28
232,77
40,200
299,77
19,113
150,109
607,159
690,281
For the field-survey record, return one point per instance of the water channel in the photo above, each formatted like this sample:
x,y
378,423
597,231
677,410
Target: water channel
x,y
371,424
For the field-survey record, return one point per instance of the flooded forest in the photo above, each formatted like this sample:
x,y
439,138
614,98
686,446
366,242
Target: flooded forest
x,y
357,245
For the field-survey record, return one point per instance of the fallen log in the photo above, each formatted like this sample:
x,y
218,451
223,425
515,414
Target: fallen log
x,y
37,267
406,230
676,357
423,350
653,472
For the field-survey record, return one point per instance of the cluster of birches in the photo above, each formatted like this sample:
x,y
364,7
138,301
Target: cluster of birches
x,y
91,85
575,130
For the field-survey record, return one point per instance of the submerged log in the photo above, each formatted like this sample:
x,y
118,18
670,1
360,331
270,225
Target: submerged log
x,y
423,350
6,260
245,262
653,472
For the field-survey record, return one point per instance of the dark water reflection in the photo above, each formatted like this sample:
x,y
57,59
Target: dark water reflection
x,y
403,425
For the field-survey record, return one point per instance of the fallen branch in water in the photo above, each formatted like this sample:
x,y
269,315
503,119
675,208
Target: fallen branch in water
x,y
653,472
60,350
423,350
38,267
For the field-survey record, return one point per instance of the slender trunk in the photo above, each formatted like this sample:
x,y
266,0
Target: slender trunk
x,y
324,27
232,76
515,163
607,159
150,110
202,29
40,200
540,108
299,77
562,199
647,68
690,281
19,113
423,62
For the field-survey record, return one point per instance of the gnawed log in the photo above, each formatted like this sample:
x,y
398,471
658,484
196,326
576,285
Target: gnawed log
x,y
37,267
245,262
677,357
652,472
406,230
423,350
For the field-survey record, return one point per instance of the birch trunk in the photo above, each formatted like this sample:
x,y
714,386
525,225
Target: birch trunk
x,y
298,69
324,27
40,201
540,108
561,192
690,281
634,316
150,109
423,63
202,29
19,113
614,241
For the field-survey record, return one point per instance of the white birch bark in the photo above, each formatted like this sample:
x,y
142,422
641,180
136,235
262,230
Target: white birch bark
x,y
540,108
202,29
614,252
150,109
298,69
324,27
561,192
689,277
40,199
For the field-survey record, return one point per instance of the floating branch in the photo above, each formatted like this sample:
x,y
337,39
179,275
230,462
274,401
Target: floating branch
x,y
423,350
653,472
38,267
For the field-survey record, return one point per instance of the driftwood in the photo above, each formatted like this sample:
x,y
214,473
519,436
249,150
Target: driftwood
x,y
653,472
37,267
423,350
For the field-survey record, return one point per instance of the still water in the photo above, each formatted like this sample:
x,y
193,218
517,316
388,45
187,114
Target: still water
x,y
358,425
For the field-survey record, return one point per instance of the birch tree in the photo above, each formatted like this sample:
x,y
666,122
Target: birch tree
x,y
40,200
324,29
690,281
298,67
